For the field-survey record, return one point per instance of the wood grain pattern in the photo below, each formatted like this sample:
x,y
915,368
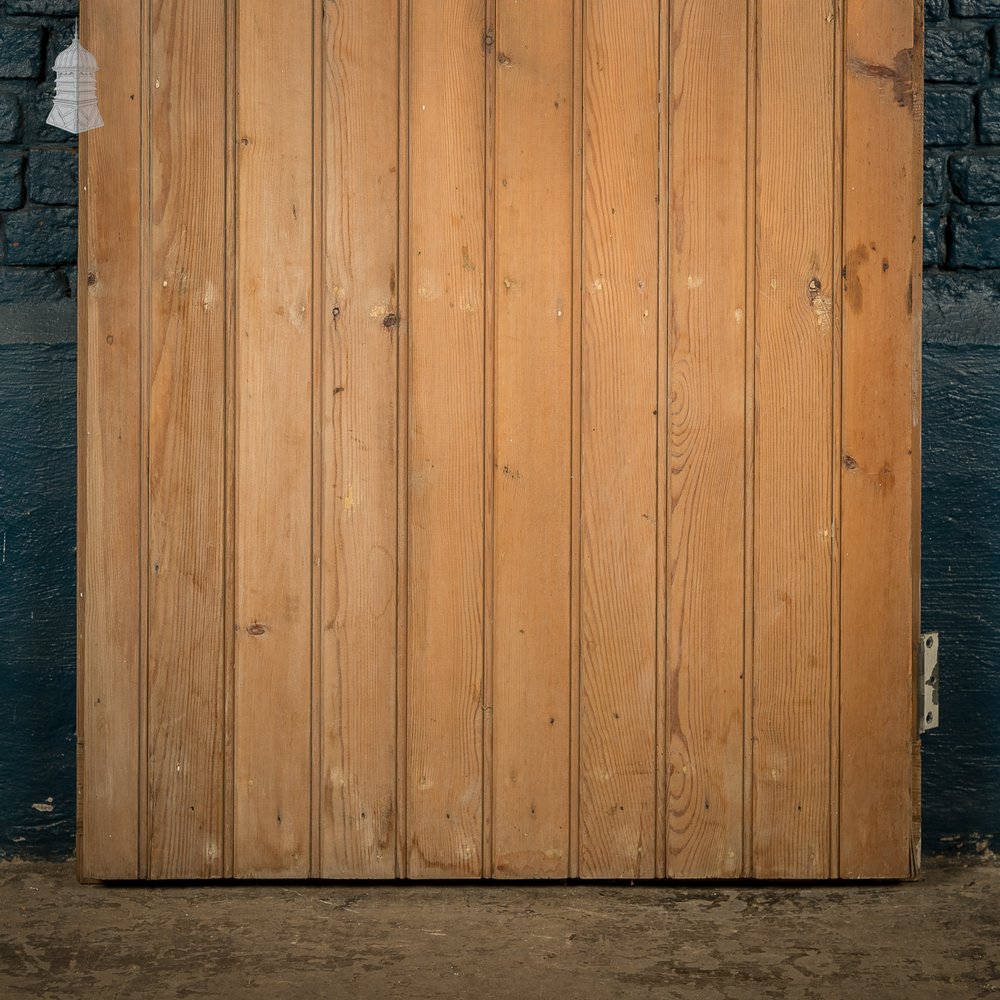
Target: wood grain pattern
x,y
402,435
750,431
360,169
880,466
576,439
109,590
707,453
534,225
619,441
187,439
274,440
231,293
666,64
793,532
468,415
445,518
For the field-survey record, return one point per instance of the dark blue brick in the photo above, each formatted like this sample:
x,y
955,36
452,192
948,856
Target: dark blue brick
x,y
976,177
60,36
53,8
961,307
36,236
936,10
989,115
31,284
976,8
933,236
934,185
53,176
955,56
947,117
975,237
10,117
11,181
20,52
36,111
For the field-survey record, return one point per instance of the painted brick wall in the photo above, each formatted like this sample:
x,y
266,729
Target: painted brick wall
x,y
961,427
961,541
38,164
38,196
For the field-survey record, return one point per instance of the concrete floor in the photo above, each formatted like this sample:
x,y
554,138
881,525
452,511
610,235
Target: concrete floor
x,y
937,938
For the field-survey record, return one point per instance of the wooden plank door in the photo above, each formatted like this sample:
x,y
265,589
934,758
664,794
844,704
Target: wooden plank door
x,y
498,440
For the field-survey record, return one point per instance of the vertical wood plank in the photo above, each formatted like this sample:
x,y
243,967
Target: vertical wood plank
x,y
665,31
489,463
750,405
576,439
274,439
836,444
229,618
402,433
619,441
317,685
880,465
534,232
110,476
707,458
445,516
187,439
360,157
793,490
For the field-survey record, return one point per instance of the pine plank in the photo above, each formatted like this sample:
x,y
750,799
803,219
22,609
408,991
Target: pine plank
x,y
229,613
489,462
109,587
750,430
358,497
666,56
534,299
272,755
446,419
402,435
576,439
533,572
619,441
707,458
187,439
880,465
793,489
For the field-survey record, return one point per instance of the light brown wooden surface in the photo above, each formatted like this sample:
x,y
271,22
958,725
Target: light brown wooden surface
x,y
274,385
489,437
358,497
880,453
445,476
618,665
187,394
470,408
793,489
534,299
706,454
111,675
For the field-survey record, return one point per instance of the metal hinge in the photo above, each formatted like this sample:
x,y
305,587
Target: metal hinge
x,y
927,691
